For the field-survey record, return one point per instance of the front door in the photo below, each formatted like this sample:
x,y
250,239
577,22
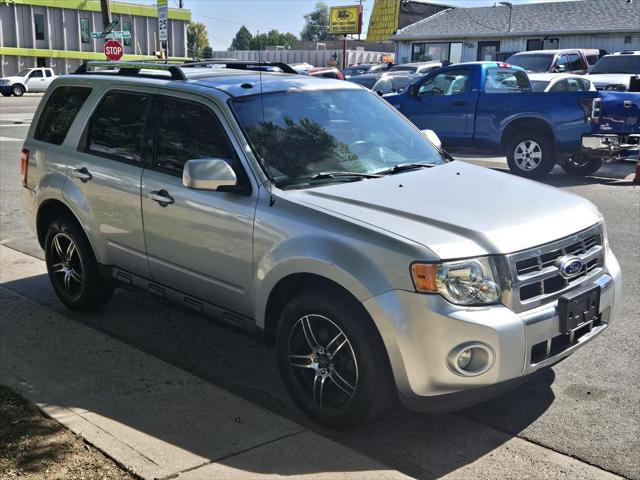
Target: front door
x,y
201,242
444,104
488,51
36,81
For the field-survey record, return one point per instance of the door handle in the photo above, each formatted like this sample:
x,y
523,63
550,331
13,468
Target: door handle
x,y
162,197
460,103
83,174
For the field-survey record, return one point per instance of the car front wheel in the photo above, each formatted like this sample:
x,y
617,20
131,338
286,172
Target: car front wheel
x,y
17,90
531,154
332,360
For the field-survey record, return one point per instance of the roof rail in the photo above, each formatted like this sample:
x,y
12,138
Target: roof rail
x,y
240,64
132,68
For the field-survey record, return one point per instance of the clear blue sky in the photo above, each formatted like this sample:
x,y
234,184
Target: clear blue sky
x,y
224,17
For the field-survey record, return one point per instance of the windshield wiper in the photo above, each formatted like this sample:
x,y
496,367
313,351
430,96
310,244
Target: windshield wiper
x,y
336,176
404,167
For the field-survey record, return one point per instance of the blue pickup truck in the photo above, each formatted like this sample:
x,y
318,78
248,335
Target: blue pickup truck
x,y
491,106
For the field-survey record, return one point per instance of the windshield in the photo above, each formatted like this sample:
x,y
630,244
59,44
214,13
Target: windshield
x,y
22,73
300,134
618,64
367,82
539,85
532,63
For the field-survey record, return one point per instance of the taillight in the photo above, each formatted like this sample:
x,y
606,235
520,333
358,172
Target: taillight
x,y
24,165
596,110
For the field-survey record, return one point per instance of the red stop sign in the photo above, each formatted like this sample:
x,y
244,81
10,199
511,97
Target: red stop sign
x,y
113,50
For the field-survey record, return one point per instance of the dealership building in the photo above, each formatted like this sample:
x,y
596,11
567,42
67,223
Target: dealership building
x,y
57,33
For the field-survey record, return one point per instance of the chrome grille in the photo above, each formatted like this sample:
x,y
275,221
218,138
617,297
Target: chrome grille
x,y
535,276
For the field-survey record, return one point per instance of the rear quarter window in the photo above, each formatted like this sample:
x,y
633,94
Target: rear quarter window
x,y
506,80
58,114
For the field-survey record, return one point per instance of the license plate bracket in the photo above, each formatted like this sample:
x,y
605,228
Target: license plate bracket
x,y
579,307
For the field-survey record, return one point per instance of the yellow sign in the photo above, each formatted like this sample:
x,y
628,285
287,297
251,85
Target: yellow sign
x,y
345,20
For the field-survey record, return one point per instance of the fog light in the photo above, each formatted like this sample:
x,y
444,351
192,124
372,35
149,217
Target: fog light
x,y
470,359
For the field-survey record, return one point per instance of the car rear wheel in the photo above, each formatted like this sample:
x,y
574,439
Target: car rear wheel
x,y
17,90
73,269
582,164
531,154
332,360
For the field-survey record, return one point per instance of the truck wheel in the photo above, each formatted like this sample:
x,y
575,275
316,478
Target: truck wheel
x,y
17,90
582,164
332,360
73,269
531,154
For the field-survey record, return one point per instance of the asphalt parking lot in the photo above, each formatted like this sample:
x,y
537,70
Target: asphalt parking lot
x,y
587,407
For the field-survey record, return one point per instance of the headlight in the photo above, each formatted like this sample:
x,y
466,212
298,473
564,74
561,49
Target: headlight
x,y
3,82
464,282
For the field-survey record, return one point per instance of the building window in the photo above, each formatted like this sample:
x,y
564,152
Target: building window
x,y
126,27
534,44
85,35
437,52
38,22
550,43
488,51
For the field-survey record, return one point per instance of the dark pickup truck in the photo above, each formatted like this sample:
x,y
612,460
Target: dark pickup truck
x,y
491,106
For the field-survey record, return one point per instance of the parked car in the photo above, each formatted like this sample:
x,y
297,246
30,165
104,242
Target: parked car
x,y
554,61
326,72
375,264
28,80
384,83
491,106
420,68
616,71
560,82
354,70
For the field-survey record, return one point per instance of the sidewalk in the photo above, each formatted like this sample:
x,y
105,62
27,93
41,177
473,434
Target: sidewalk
x,y
161,422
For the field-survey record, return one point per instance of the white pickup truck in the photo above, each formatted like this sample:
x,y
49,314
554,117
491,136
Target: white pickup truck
x,y
28,80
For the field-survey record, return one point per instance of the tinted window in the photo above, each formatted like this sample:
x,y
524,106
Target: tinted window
x,y
592,59
574,63
506,80
188,131
58,114
366,82
400,83
36,74
532,63
560,86
539,85
452,82
48,73
629,64
329,74
117,126
38,21
534,44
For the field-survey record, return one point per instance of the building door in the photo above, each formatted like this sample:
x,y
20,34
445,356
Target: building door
x,y
488,51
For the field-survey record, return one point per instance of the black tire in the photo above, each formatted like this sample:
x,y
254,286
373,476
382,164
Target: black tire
x,y
540,147
6,94
340,406
582,164
17,90
73,270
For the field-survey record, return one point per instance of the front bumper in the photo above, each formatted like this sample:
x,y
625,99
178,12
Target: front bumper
x,y
5,89
607,142
420,330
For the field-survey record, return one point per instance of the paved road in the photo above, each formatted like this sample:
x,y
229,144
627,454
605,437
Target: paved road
x,y
587,407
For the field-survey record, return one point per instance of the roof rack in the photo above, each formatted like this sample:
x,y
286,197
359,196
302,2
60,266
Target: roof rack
x,y
132,68
175,69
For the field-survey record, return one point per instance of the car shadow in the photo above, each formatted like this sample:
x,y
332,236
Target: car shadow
x,y
419,445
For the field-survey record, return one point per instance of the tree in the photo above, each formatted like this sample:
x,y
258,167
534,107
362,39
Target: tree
x,y
242,40
197,39
316,26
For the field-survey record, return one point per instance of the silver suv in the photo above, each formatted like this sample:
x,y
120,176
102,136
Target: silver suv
x,y
311,212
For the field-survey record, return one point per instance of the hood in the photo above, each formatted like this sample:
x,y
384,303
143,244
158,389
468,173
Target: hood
x,y
13,79
604,79
458,210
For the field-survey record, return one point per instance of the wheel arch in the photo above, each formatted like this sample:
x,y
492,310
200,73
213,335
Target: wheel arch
x,y
23,85
524,124
48,211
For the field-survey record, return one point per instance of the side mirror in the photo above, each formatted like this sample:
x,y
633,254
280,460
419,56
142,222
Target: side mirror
x,y
432,137
413,90
208,174
379,92
561,68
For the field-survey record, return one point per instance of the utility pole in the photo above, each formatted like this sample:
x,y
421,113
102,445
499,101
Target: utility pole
x,y
105,6
510,5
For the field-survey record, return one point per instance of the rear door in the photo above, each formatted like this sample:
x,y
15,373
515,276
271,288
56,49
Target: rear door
x,y
444,104
106,172
200,242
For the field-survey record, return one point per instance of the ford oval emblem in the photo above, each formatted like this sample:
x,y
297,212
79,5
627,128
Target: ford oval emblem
x,y
569,266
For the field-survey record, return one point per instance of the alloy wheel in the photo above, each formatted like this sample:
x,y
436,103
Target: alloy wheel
x,y
66,265
528,155
323,361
